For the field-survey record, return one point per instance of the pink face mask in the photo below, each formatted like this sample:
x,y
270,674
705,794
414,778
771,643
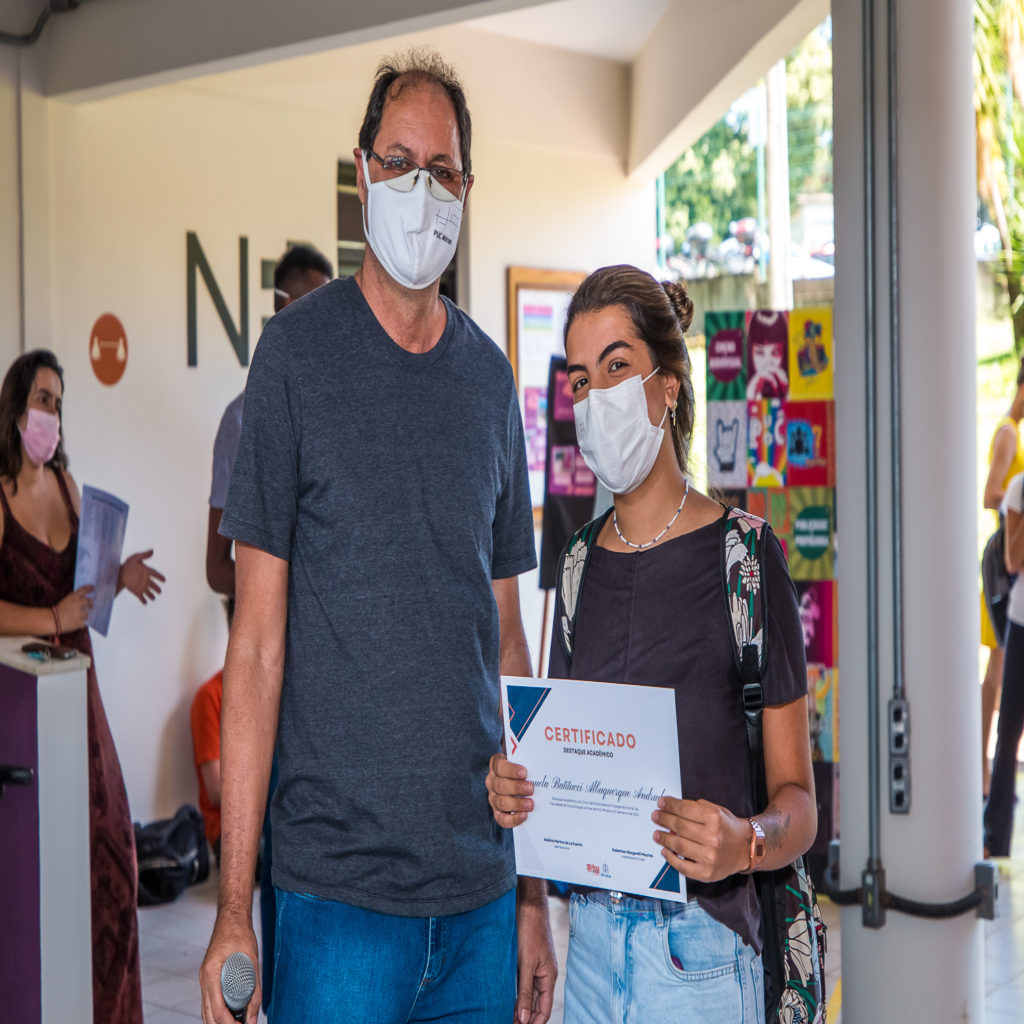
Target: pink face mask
x,y
41,435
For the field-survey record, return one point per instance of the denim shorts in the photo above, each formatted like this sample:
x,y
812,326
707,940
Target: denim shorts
x,y
336,963
655,961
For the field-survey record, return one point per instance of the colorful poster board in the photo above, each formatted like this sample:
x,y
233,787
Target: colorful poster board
x,y
569,484
771,450
537,303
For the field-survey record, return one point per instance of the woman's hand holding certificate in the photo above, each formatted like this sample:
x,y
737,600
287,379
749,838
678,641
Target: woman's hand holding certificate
x,y
713,841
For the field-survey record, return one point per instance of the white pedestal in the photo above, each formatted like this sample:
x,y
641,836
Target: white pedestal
x,y
46,938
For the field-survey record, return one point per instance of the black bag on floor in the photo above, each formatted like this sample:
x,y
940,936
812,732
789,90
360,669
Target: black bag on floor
x,y
172,854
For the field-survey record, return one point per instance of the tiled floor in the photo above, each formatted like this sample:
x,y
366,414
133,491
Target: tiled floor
x,y
173,940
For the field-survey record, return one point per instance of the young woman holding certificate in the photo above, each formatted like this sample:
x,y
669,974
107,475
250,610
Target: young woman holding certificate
x,y
652,612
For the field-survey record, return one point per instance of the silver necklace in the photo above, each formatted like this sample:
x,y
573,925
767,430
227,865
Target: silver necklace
x,y
651,543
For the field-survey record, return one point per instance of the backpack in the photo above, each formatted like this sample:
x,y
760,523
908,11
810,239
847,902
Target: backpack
x,y
995,580
172,854
793,956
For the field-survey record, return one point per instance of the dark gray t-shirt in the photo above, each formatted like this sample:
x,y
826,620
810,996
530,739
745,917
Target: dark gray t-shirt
x,y
658,618
395,485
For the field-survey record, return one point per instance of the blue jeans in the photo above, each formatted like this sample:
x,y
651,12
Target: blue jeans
x,y
335,963
649,961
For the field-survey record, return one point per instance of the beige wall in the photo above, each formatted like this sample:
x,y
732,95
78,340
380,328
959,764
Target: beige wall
x,y
255,153
10,292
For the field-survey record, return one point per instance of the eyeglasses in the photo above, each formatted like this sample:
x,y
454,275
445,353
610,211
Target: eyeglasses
x,y
401,174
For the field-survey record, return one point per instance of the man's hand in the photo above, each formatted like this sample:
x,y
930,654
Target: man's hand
x,y
508,791
139,578
537,969
232,933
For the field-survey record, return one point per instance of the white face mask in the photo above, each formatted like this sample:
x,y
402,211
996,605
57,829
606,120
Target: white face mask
x,y
616,437
413,234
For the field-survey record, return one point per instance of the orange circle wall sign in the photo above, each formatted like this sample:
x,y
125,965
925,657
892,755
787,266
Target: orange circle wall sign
x,y
108,349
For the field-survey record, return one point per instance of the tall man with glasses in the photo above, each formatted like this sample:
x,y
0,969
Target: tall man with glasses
x,y
381,514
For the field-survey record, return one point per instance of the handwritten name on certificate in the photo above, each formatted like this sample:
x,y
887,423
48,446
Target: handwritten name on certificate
x,y
600,755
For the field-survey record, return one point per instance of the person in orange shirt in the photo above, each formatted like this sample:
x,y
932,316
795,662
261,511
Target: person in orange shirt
x,y
205,719
1005,460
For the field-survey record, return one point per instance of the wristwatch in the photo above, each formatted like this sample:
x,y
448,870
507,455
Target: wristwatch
x,y
756,844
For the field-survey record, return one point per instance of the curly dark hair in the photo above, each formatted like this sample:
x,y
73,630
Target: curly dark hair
x,y
661,313
416,67
14,392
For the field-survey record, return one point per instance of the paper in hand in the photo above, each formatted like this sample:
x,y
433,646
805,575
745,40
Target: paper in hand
x,y
100,539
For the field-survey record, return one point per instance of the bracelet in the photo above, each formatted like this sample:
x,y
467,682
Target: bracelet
x,y
756,844
56,622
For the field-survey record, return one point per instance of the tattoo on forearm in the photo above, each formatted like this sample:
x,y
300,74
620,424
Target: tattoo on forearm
x,y
777,830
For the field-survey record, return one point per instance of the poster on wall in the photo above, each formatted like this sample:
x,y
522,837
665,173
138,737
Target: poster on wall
x,y
727,444
810,444
537,303
818,620
766,443
810,354
823,696
767,354
570,485
726,349
811,551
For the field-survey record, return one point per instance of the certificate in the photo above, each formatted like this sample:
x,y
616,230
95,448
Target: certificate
x,y
100,538
599,755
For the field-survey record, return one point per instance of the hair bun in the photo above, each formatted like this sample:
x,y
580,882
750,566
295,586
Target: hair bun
x,y
682,304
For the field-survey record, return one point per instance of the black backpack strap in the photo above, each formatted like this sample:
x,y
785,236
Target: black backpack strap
x,y
572,571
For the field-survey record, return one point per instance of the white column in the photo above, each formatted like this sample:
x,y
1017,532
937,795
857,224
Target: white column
x,y
25,316
780,284
912,969
10,209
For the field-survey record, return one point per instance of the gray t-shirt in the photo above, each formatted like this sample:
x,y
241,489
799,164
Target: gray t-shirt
x,y
395,485
225,446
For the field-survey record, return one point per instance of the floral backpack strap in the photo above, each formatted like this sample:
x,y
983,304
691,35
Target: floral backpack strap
x,y
572,570
744,539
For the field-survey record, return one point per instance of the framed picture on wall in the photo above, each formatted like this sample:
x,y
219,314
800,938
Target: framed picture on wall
x,y
537,303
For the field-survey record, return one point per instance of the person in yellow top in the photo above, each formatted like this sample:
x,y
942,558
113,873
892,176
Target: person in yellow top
x,y
1005,460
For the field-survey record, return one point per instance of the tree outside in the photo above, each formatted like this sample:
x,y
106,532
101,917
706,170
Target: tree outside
x,y
715,181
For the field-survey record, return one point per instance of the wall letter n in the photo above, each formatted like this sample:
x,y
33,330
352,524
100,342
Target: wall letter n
x,y
196,259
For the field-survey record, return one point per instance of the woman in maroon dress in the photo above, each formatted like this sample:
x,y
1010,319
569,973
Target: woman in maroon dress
x,y
39,507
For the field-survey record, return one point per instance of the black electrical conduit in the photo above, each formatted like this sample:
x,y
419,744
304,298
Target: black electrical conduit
x,y
896,396
870,431
28,38
983,897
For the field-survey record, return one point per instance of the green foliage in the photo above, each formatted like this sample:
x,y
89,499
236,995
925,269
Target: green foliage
x,y
716,179
809,106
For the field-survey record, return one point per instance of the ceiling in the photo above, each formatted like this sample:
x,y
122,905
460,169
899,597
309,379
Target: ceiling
x,y
602,28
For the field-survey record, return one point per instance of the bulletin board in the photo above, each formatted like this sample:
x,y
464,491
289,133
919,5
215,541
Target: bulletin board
x,y
771,450
537,303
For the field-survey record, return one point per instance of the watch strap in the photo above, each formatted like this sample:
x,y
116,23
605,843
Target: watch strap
x,y
757,844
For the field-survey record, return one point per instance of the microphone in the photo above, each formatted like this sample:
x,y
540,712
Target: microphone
x,y
237,983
